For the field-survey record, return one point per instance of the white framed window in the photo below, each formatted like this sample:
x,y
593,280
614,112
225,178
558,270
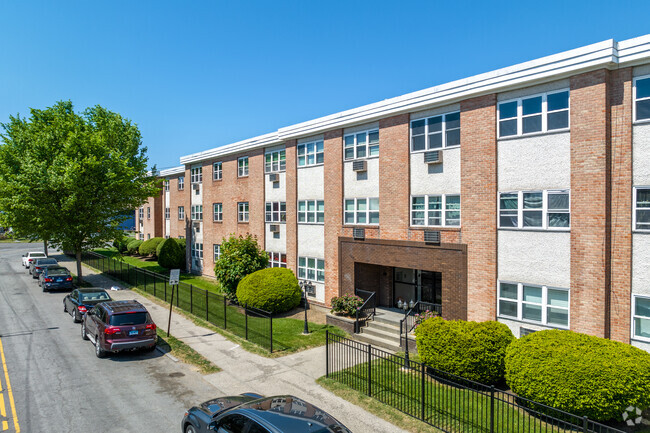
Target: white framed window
x,y
534,114
242,166
242,212
641,212
217,171
217,212
197,251
196,212
641,318
275,161
166,184
196,175
148,212
276,211
544,210
181,212
310,268
311,153
435,210
311,211
217,252
277,260
181,183
167,213
533,303
148,235
435,132
361,144
362,211
642,98
141,214
141,236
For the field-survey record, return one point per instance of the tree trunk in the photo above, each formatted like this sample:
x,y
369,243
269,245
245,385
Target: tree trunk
x,y
45,247
79,277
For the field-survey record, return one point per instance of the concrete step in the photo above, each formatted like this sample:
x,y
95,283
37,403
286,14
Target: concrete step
x,y
386,327
381,343
391,335
388,320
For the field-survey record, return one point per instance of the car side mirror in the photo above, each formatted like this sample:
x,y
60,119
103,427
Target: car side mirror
x,y
23,255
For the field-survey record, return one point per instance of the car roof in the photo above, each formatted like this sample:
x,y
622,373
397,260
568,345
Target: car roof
x,y
91,290
116,307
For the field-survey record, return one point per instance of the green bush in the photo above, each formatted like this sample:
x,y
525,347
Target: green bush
x,y
170,255
240,256
133,246
346,304
121,244
473,350
271,289
148,247
578,373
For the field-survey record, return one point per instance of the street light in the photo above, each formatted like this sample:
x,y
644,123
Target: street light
x,y
406,307
306,286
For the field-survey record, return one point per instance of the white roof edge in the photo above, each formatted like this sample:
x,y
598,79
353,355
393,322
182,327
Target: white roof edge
x,y
172,171
606,54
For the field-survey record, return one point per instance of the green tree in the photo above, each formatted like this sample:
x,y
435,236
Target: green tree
x,y
240,256
69,178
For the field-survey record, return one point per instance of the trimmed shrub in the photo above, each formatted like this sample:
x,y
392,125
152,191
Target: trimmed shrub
x,y
148,247
346,304
133,246
579,373
121,244
240,256
170,255
271,289
473,350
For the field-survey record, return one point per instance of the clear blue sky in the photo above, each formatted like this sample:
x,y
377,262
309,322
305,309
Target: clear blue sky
x,y
195,75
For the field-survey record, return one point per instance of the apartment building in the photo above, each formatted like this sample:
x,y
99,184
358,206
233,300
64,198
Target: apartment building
x,y
521,195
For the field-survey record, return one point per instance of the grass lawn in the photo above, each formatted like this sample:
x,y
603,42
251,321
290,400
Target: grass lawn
x,y
185,353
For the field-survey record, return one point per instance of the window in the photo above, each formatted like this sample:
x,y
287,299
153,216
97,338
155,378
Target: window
x,y
217,252
217,214
435,132
277,260
141,214
233,423
362,211
148,235
167,213
311,153
166,184
216,171
181,183
242,212
276,212
275,161
196,175
141,236
311,211
641,317
533,303
197,251
642,98
311,269
242,167
641,213
148,212
197,212
435,210
548,210
361,144
538,113
181,212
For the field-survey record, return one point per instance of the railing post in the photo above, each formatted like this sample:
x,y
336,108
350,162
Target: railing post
x,y
585,424
206,306
422,392
246,318
191,300
356,322
327,353
492,409
369,371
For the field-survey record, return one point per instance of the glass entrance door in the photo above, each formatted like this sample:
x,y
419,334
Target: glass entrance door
x,y
415,285
430,287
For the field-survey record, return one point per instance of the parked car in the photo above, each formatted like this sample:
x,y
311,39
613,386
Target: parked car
x,y
119,325
251,413
29,257
37,266
80,301
55,277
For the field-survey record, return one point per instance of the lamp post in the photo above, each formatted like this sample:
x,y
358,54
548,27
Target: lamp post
x,y
305,286
406,307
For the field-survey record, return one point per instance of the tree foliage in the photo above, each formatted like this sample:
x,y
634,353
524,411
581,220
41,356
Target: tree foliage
x,y
70,178
240,256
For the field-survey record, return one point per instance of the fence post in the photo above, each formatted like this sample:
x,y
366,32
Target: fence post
x,y
327,353
154,285
191,300
492,409
225,314
165,291
422,393
271,327
121,273
369,371
246,319
206,306
145,282
585,424
177,293
136,278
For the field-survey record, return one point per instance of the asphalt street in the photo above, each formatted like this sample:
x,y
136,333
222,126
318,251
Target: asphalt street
x,y
58,385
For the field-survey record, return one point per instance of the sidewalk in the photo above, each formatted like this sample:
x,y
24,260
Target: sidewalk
x,y
243,371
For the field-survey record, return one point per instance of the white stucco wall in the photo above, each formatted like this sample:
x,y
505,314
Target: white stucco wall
x,y
641,345
641,70
641,263
311,240
515,326
537,162
275,191
311,183
441,178
641,154
364,184
535,257
276,245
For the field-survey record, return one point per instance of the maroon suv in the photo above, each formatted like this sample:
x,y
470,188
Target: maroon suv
x,y
119,325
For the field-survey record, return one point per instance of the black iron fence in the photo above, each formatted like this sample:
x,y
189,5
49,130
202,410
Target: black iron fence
x,y
367,311
445,401
253,324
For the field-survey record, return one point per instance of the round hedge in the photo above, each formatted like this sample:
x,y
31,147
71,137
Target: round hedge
x,y
579,373
271,289
121,244
170,255
473,350
133,246
148,247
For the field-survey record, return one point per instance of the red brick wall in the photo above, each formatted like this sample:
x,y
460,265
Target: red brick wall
x,y
478,165
292,205
153,226
177,198
333,146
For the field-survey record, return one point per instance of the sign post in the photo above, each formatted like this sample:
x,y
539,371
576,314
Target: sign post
x,y
174,277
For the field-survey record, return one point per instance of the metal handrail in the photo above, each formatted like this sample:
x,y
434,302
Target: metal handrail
x,y
365,308
407,324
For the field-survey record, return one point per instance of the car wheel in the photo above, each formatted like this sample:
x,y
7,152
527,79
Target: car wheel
x,y
190,429
99,352
74,316
83,331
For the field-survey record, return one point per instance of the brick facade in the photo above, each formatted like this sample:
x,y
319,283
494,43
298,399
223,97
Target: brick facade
x,y
292,205
176,199
152,226
333,145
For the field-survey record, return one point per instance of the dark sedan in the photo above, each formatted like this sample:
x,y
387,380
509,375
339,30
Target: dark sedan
x,y
80,301
55,277
251,413
37,266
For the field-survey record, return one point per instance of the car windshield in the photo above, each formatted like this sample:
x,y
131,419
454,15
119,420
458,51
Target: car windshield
x,y
47,262
57,272
128,319
95,296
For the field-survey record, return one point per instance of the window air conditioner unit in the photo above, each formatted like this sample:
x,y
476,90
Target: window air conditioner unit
x,y
275,228
274,177
359,234
196,186
359,166
432,237
525,331
433,157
